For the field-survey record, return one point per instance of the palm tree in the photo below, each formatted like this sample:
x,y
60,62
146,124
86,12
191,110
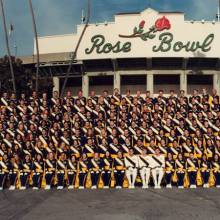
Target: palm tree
x,y
7,46
36,40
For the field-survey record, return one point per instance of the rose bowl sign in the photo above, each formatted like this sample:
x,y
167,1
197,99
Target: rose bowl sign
x,y
160,31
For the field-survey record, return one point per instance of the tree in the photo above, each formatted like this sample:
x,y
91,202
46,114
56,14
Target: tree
x,y
23,76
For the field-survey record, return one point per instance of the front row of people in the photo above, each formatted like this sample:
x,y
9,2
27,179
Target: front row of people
x,y
122,171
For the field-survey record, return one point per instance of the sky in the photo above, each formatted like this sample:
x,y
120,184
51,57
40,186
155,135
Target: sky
x,y
61,16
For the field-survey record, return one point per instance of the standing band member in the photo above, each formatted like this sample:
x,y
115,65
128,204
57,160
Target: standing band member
x,y
50,168
119,170
216,170
169,170
25,171
192,168
131,163
107,170
96,168
71,171
13,172
61,170
37,170
158,165
83,171
205,168
143,162
180,170
3,170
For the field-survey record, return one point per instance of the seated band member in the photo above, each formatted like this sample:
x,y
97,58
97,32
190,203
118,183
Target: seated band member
x,y
205,167
25,171
107,169
37,169
169,170
192,168
61,170
143,164
95,167
13,172
71,171
50,168
157,165
83,170
180,170
119,170
131,164
3,170
216,170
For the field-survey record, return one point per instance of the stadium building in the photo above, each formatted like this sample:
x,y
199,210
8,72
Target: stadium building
x,y
148,50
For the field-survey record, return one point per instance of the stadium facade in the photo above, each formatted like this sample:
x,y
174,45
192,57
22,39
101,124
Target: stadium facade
x,y
149,50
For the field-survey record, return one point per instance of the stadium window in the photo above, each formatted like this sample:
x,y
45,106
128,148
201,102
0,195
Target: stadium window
x,y
134,83
166,83
101,83
199,82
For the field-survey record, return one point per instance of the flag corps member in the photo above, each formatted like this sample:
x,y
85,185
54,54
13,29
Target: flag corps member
x,y
143,162
158,165
131,164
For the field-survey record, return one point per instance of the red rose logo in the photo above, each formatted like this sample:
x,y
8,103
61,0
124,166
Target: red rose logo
x,y
162,24
141,25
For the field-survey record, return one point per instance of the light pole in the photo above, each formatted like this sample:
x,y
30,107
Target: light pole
x,y
76,49
7,46
36,40
218,13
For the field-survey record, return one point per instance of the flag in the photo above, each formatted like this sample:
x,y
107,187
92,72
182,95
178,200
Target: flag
x,y
11,29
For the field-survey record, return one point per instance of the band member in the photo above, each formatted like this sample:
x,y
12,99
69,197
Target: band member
x,y
95,167
50,168
180,170
119,170
37,170
83,171
71,171
216,170
143,164
25,171
13,171
61,170
205,167
169,170
107,169
131,164
157,165
3,170
192,168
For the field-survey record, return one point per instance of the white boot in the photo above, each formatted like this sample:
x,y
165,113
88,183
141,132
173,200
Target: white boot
x,y
47,187
12,188
70,187
169,186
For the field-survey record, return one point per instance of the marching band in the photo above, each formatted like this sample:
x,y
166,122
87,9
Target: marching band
x,y
110,141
